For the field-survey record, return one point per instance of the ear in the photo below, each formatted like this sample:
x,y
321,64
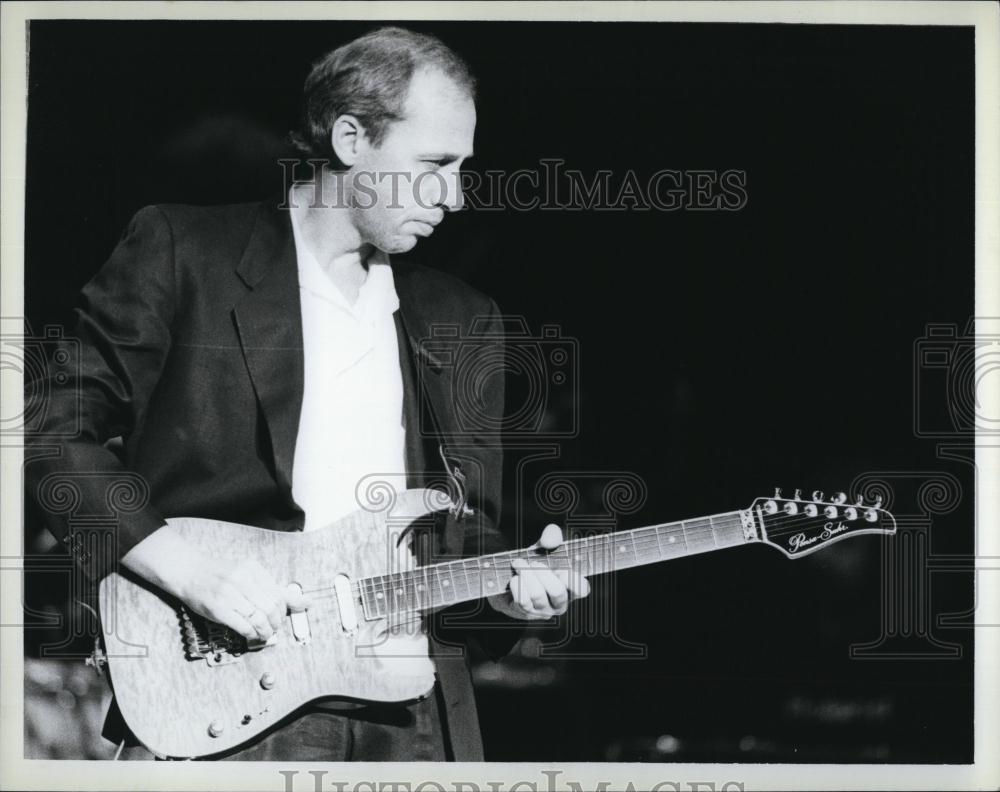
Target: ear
x,y
347,138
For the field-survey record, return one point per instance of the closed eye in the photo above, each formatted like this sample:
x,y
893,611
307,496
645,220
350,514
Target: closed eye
x,y
443,160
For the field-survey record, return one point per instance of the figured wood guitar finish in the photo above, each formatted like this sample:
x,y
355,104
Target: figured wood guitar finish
x,y
183,707
190,688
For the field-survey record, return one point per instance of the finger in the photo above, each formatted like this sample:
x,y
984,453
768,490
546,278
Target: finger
x,y
235,621
554,587
260,624
530,593
249,612
271,607
576,584
551,537
231,613
256,584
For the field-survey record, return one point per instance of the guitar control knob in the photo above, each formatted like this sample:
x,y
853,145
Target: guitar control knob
x,y
215,728
830,511
770,507
871,515
809,510
791,508
839,498
267,681
851,513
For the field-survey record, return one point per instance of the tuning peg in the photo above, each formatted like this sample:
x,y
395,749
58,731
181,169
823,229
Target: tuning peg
x,y
798,494
777,492
809,510
791,508
871,515
830,512
878,502
839,498
860,501
817,495
850,513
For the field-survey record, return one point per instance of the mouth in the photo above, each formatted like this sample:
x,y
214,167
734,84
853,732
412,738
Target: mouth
x,y
426,226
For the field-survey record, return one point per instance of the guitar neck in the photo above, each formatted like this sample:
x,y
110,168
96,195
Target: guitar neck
x,y
440,585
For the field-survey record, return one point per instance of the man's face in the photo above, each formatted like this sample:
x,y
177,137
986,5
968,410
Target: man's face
x,y
403,187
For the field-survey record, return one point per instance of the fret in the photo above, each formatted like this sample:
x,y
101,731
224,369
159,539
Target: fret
x,y
698,535
370,604
470,579
648,545
591,549
376,604
445,587
673,542
631,549
490,582
423,595
397,594
474,578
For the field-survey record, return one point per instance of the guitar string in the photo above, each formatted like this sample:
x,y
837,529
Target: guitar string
x,y
623,538
643,541
410,584
726,521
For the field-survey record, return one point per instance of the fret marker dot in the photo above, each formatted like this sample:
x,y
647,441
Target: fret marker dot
x,y
378,595
489,583
420,587
486,565
621,549
444,583
673,539
399,592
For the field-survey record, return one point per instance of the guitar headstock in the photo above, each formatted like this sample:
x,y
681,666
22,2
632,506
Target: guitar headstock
x,y
798,526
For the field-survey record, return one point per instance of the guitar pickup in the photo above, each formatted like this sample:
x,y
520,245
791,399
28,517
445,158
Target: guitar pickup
x,y
299,619
300,626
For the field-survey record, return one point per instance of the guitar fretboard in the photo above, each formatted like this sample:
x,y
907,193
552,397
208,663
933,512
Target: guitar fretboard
x,y
450,582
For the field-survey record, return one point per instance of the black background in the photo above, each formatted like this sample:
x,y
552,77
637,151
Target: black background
x,y
721,353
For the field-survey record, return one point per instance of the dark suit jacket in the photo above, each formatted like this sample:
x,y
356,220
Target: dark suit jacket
x,y
190,349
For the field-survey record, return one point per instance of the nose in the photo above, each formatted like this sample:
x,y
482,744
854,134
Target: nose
x,y
442,189
453,198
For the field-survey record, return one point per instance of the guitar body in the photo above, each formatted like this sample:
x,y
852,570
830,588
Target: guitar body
x,y
186,688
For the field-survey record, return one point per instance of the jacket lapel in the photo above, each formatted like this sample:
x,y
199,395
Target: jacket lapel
x,y
269,322
419,311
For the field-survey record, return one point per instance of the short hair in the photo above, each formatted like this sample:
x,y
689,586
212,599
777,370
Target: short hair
x,y
369,78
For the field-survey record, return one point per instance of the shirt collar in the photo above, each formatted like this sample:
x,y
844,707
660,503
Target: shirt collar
x,y
377,295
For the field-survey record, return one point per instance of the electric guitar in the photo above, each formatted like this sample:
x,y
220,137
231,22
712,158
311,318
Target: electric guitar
x,y
188,687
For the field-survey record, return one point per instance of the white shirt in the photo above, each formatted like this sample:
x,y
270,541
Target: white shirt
x,y
351,431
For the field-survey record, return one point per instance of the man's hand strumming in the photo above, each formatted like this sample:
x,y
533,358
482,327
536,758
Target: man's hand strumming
x,y
244,597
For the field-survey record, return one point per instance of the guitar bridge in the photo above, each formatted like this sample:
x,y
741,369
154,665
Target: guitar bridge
x,y
215,643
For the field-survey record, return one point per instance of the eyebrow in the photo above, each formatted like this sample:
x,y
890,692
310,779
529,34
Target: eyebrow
x,y
445,157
